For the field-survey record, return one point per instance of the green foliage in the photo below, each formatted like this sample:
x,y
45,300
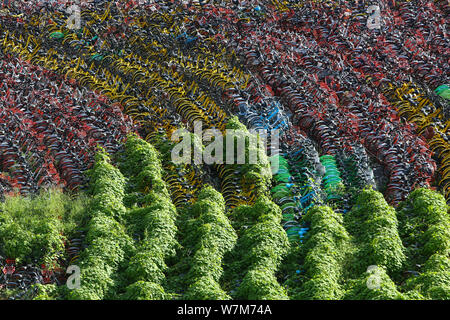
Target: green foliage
x,y
425,230
261,284
158,244
47,292
211,237
288,269
259,251
205,288
434,281
374,284
32,228
242,217
142,163
143,290
254,175
107,187
108,245
373,223
334,264
264,241
324,252
154,223
108,242
424,220
75,212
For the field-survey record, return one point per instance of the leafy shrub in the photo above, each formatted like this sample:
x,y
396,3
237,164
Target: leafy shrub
x,y
261,284
434,281
205,288
260,249
31,228
108,242
144,290
107,187
213,237
258,175
373,223
46,292
155,222
425,229
324,252
374,284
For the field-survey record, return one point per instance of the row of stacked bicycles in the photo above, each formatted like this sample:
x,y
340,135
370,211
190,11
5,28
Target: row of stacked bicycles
x,y
351,105
51,127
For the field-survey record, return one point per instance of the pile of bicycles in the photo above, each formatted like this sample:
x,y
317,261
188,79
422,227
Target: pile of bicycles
x,y
316,67
51,127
